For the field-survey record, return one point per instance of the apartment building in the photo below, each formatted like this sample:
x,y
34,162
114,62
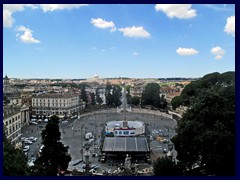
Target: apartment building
x,y
59,104
12,123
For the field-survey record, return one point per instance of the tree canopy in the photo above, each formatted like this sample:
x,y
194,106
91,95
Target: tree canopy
x,y
113,95
195,88
14,161
206,134
54,155
151,95
164,166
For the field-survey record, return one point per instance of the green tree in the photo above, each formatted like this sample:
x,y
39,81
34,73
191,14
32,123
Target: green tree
x,y
206,133
151,95
128,94
55,155
14,161
163,102
117,95
108,94
135,100
93,101
98,98
84,94
209,81
165,167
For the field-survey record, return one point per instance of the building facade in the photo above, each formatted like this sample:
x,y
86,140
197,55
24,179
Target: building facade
x,y
12,123
45,105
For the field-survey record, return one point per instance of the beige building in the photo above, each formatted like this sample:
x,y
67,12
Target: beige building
x,y
49,104
12,123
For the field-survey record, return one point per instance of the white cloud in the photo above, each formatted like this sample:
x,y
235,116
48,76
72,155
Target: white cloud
x,y
53,7
217,57
218,51
135,54
135,32
230,26
9,9
101,23
186,51
181,11
26,36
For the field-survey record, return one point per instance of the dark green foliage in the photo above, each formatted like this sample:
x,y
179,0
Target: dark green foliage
x,y
113,95
195,88
135,100
117,95
84,94
151,95
14,161
54,154
206,133
93,101
163,102
109,96
165,167
98,98
5,99
128,95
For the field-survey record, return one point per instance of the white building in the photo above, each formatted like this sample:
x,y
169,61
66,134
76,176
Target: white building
x,y
56,104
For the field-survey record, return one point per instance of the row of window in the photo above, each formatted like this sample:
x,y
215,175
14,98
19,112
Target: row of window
x,y
13,128
12,120
124,132
56,100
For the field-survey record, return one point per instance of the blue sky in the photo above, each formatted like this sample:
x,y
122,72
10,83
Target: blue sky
x,y
137,41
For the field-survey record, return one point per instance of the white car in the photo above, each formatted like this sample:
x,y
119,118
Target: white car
x,y
45,120
33,139
35,123
28,142
25,148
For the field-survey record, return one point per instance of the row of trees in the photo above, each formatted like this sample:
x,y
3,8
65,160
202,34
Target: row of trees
x,y
113,95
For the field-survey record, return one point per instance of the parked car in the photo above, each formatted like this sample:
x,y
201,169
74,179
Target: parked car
x,y
33,139
25,148
88,136
65,121
40,149
28,142
35,123
45,120
23,138
39,120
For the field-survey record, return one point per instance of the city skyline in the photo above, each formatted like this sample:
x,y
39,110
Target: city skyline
x,y
133,40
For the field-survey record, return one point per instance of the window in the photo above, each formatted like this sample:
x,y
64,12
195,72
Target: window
x,y
18,116
119,132
126,132
115,132
6,123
